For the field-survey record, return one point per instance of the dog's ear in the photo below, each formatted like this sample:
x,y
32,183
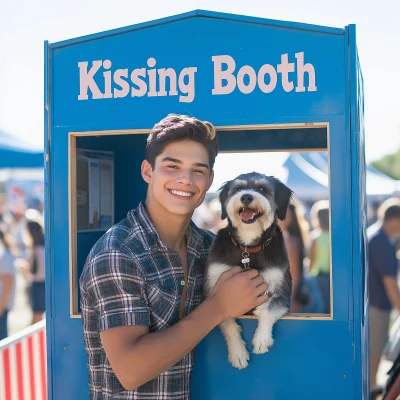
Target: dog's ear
x,y
283,196
223,197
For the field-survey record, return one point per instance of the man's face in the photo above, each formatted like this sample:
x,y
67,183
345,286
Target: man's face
x,y
181,177
396,227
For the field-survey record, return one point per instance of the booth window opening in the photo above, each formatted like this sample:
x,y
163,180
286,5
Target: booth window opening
x,y
104,166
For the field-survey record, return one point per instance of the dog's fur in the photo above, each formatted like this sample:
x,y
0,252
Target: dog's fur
x,y
269,198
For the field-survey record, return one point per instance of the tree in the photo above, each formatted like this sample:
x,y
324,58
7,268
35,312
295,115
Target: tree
x,y
389,165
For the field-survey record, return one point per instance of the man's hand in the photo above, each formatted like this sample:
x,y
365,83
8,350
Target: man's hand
x,y
2,309
237,292
134,352
7,281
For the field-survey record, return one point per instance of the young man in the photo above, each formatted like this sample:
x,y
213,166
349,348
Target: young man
x,y
141,287
384,294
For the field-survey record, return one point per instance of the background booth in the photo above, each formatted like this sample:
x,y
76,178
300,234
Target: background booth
x,y
267,86
21,173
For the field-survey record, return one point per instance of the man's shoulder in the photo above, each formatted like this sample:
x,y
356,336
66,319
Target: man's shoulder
x,y
208,236
377,239
124,238
204,236
114,238
121,242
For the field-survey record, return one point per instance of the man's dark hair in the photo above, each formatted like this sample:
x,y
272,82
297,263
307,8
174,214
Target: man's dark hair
x,y
389,209
176,128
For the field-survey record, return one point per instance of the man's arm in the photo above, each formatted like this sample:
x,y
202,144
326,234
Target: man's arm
x,y
392,290
7,285
137,356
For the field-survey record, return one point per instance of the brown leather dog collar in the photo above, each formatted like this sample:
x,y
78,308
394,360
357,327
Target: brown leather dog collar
x,y
250,249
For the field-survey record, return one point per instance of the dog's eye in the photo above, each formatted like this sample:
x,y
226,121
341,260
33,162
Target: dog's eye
x,y
261,189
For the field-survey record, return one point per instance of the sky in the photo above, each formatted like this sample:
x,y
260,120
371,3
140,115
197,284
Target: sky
x,y
25,24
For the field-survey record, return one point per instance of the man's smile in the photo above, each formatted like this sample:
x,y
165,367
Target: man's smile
x,y
180,193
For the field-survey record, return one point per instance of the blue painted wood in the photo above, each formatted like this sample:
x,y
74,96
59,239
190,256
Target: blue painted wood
x,y
199,14
168,45
50,335
310,359
305,362
273,139
359,205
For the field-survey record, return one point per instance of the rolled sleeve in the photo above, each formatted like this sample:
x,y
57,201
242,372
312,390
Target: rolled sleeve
x,y
115,288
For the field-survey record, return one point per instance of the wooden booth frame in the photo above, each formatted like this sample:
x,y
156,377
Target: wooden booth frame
x,y
72,203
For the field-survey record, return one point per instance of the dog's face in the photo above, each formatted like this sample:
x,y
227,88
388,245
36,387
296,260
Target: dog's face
x,y
252,202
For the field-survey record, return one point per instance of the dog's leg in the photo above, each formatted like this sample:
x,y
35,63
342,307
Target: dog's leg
x,y
269,312
237,353
267,315
213,273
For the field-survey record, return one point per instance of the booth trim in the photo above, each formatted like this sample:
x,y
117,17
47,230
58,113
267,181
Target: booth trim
x,y
72,201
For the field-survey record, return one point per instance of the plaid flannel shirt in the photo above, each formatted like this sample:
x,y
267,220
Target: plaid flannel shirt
x,y
131,278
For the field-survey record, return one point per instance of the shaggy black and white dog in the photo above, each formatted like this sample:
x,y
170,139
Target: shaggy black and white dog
x,y
253,203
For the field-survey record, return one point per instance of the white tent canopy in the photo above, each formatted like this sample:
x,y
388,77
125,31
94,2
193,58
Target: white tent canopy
x,y
306,173
21,174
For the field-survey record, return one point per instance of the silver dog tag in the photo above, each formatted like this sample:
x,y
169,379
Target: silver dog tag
x,y
245,260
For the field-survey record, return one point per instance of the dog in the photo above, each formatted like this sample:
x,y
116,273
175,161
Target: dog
x,y
253,203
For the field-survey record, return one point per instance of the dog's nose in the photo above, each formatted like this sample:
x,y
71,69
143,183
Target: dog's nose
x,y
246,199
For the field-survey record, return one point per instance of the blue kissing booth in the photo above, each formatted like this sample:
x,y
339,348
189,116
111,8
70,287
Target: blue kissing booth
x,y
267,86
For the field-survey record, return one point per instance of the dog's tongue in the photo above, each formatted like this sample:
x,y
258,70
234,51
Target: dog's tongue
x,y
247,214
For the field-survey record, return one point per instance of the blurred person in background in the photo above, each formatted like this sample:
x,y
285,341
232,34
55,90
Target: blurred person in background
x,y
34,271
32,214
384,294
208,216
7,281
215,221
306,295
6,218
3,208
320,260
17,228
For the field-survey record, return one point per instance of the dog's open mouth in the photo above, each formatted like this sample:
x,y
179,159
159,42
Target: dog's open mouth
x,y
248,215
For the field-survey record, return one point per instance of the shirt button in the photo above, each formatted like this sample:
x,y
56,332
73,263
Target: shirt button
x,y
183,283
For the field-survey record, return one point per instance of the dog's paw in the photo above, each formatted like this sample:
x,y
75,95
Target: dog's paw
x,y
262,342
239,356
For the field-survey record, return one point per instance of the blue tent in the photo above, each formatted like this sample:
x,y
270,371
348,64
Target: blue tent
x,y
15,153
307,176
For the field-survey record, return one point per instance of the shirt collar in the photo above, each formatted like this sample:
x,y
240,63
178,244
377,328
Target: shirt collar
x,y
151,239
